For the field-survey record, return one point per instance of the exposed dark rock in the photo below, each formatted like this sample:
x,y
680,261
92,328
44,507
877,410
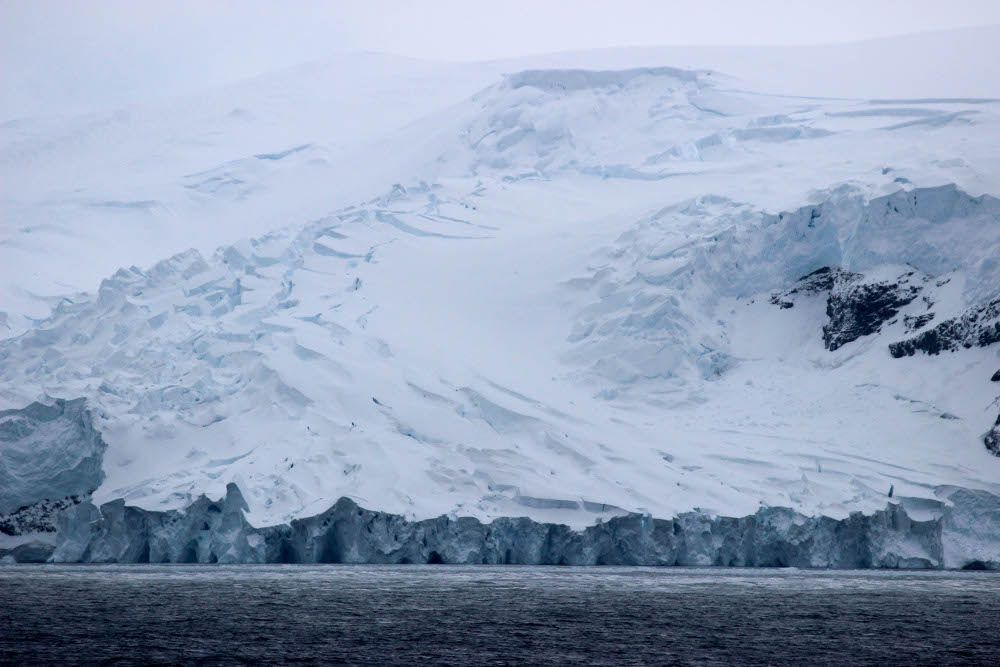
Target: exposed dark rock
x,y
914,322
992,438
976,565
996,377
38,517
857,309
819,281
346,533
976,327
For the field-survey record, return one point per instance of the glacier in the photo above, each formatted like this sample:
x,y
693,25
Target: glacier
x,y
48,452
622,313
956,533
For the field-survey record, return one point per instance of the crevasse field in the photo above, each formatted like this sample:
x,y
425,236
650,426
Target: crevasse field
x,y
565,287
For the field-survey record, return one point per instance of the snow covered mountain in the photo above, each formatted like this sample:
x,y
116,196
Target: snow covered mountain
x,y
567,294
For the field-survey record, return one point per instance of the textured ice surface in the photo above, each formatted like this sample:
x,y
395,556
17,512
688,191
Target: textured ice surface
x,y
48,452
960,534
50,460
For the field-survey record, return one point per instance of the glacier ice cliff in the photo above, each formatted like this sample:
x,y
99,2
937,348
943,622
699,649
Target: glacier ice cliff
x,y
960,530
977,326
51,456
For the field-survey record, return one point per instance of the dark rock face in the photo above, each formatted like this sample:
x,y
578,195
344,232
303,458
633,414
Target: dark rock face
x,y
38,517
992,438
216,531
976,327
857,309
996,377
914,322
819,281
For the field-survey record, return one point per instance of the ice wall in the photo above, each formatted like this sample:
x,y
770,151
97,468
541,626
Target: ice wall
x,y
48,451
961,530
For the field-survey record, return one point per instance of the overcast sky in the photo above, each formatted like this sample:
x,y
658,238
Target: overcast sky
x,y
78,54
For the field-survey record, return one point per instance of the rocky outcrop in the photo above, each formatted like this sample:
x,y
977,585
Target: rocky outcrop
x,y
856,308
976,327
915,322
992,438
819,281
961,532
37,517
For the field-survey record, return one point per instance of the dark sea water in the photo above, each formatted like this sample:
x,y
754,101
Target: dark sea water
x,y
494,615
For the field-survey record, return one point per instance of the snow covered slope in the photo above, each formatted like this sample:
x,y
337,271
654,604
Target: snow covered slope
x,y
81,196
559,293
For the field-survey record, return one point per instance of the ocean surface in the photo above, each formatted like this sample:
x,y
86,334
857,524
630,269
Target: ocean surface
x,y
494,615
